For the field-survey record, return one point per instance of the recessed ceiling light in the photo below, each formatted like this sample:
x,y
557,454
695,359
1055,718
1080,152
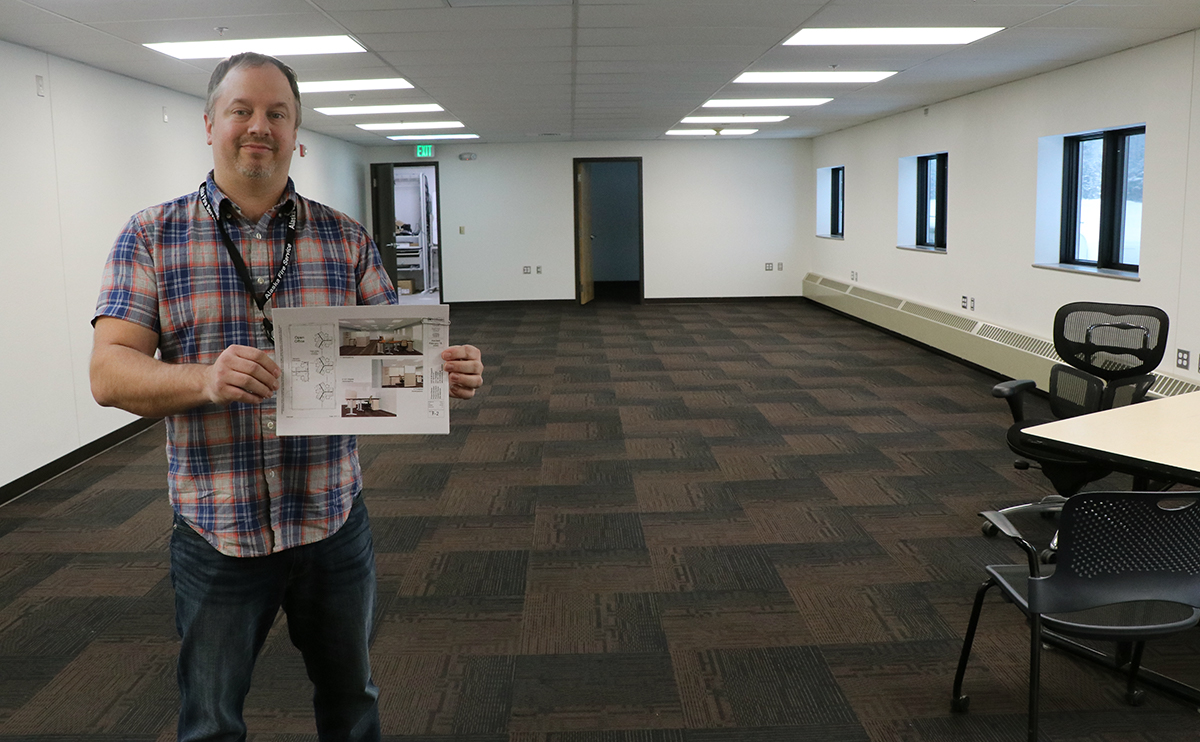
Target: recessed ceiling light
x,y
733,119
764,102
877,36
736,132
364,110
285,47
338,86
406,137
412,125
813,76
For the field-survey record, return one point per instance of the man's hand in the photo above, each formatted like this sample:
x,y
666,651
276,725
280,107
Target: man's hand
x,y
241,374
464,369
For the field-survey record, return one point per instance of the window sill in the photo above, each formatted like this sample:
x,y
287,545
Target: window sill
x,y
831,237
922,248
1089,270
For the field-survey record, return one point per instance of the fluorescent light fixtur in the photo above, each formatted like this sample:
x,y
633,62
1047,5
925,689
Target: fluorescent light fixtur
x,y
765,102
412,125
423,137
711,132
368,110
341,86
283,47
734,119
888,36
817,77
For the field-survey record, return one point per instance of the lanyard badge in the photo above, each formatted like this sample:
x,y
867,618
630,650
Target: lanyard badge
x,y
239,264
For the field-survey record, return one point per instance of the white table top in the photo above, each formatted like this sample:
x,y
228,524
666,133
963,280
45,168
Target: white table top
x,y
1160,431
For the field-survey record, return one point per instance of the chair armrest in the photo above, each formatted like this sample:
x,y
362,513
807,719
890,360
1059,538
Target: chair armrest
x,y
1005,526
1013,392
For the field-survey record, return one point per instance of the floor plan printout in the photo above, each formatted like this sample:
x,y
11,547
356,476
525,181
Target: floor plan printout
x,y
362,370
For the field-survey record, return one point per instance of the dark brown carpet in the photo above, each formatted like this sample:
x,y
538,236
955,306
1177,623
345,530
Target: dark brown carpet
x,y
718,522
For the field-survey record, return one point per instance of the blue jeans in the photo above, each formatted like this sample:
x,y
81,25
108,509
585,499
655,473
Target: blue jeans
x,y
224,607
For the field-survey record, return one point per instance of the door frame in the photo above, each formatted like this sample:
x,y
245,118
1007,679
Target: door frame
x,y
375,220
577,163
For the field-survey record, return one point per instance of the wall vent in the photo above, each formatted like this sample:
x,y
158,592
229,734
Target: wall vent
x,y
832,284
878,298
937,315
1169,386
1013,354
1043,348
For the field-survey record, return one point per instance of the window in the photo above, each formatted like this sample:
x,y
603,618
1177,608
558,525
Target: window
x,y
831,200
931,200
837,201
1102,198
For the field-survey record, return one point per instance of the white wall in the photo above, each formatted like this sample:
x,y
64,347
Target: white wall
x,y
715,213
992,137
76,164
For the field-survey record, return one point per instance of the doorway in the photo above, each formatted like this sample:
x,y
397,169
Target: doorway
x,y
407,228
608,229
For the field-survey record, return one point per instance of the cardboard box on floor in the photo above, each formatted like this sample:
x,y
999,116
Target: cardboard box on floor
x,y
404,287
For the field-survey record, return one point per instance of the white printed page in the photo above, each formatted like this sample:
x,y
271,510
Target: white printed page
x,y
362,370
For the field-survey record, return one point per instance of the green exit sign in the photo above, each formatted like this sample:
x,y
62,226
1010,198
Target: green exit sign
x,y
423,150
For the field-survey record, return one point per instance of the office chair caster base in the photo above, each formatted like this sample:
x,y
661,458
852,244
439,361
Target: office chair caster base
x,y
1135,698
961,704
989,530
1048,556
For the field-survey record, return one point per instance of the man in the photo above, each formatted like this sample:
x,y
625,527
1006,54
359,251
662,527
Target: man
x,y
261,522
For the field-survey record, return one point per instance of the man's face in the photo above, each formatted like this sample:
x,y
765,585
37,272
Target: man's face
x,y
253,125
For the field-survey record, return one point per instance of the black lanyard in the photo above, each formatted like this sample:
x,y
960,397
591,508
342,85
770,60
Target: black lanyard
x,y
289,246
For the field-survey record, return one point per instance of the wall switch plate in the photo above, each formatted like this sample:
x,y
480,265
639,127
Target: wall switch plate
x,y
972,303
1183,358
526,269
964,302
770,267
779,266
462,230
539,270
41,85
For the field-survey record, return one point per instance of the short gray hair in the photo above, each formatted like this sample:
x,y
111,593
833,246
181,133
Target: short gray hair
x,y
249,59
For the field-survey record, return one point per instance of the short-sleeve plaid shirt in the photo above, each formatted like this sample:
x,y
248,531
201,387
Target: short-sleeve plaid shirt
x,y
246,490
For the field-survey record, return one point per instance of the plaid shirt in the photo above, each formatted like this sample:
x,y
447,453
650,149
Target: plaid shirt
x,y
246,490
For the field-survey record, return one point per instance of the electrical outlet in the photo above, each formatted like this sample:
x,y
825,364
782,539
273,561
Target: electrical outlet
x,y
770,267
526,270
853,275
779,266
972,303
964,302
1183,358
462,230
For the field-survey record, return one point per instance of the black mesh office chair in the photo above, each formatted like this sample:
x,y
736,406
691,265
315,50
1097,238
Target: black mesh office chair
x,y
1128,570
1109,351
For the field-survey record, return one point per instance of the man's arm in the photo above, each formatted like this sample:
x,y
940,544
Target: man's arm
x,y
125,374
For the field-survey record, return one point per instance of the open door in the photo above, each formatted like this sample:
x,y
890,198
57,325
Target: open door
x,y
406,226
383,215
585,287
